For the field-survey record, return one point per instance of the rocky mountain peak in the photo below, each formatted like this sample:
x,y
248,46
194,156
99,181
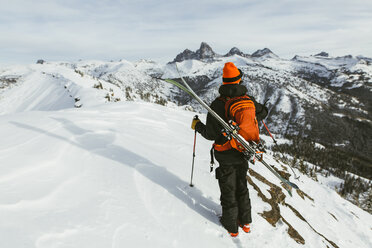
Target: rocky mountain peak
x,y
262,52
205,52
185,55
235,51
322,54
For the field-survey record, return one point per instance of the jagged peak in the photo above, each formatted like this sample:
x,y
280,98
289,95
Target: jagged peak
x,y
322,54
262,52
235,51
205,51
185,55
187,51
204,45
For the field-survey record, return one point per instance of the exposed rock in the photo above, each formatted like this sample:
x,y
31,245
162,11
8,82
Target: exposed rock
x,y
204,53
262,52
322,54
274,215
185,55
236,51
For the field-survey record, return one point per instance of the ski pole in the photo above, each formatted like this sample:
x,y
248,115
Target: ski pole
x,y
193,155
296,177
269,132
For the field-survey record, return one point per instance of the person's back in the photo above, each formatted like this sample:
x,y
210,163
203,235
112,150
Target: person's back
x,y
233,165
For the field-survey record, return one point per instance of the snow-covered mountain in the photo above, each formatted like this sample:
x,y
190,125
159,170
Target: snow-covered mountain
x,y
117,175
322,98
205,52
326,99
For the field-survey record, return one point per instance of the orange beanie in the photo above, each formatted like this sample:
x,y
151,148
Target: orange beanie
x,y
231,74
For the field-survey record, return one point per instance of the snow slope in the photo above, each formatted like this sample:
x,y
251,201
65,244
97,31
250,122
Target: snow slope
x,y
117,175
52,86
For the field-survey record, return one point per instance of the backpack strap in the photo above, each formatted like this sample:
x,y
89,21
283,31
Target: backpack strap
x,y
225,99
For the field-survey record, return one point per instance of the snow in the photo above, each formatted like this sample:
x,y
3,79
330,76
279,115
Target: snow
x,y
338,115
319,146
285,105
330,62
339,81
117,174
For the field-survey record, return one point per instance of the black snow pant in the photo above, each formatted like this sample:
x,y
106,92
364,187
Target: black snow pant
x,y
235,202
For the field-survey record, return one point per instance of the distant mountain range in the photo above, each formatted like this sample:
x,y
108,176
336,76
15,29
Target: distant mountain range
x,y
321,98
324,98
206,53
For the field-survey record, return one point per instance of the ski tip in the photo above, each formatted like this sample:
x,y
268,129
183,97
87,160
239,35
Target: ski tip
x,y
294,186
289,192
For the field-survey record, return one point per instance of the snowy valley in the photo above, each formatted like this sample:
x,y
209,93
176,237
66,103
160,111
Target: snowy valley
x,y
98,154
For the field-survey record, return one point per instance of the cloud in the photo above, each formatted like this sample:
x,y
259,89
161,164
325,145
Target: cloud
x,y
159,29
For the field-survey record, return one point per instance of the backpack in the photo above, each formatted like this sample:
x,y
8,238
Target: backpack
x,y
242,111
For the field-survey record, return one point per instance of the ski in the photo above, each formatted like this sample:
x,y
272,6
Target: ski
x,y
232,130
179,86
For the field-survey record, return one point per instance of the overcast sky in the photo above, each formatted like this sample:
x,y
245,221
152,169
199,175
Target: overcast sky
x,y
160,29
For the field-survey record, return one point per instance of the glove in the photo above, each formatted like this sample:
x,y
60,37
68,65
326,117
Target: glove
x,y
195,120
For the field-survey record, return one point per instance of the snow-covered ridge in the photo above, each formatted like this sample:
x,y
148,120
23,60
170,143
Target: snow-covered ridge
x,y
303,94
100,177
125,80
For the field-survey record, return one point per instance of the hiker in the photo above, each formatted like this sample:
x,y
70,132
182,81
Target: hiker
x,y
233,165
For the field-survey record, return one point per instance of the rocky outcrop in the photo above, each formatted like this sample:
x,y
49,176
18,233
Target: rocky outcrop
x,y
236,51
204,53
263,52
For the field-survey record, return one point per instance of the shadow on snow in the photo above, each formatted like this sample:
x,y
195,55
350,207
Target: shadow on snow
x,y
101,144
